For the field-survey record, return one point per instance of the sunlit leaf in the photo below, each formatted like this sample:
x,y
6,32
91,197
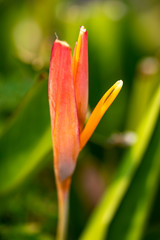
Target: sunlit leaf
x,y
130,220
103,215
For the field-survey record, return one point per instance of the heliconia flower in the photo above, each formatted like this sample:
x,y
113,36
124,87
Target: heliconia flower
x,y
68,102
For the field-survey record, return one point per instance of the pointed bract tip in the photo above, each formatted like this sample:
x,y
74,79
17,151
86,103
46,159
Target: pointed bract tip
x,y
63,43
82,30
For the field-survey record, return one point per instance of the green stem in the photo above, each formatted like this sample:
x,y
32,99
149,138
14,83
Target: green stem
x,y
63,197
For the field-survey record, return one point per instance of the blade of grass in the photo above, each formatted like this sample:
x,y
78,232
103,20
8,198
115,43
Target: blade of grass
x,y
144,203
131,218
103,215
26,140
145,83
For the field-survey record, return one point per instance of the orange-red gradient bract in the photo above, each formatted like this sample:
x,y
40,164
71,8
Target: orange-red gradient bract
x,y
68,102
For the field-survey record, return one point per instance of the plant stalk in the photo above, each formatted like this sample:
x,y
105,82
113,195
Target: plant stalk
x,y
63,198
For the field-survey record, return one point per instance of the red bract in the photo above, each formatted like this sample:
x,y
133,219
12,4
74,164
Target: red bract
x,y
63,110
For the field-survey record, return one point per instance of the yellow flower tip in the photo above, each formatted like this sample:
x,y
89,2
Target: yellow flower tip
x,y
78,46
119,83
110,95
99,111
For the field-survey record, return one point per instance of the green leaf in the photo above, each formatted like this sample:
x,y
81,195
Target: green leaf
x,y
131,218
103,215
144,83
27,140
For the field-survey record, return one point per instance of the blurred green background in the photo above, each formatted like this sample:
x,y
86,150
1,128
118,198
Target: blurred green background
x,y
115,188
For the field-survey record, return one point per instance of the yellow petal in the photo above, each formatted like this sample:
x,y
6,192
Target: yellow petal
x,y
99,111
